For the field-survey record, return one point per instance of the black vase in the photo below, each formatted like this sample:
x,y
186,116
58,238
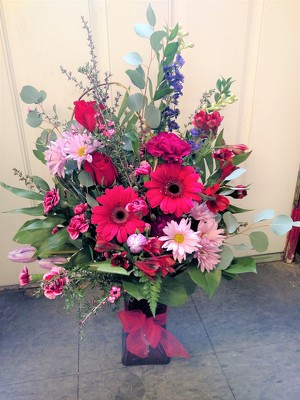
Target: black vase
x,y
155,355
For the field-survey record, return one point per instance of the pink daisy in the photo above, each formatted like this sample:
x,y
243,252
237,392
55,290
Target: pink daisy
x,y
173,188
180,238
201,212
112,217
55,157
209,231
79,147
208,257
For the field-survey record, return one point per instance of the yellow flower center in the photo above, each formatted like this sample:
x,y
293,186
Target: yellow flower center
x,y
179,237
81,151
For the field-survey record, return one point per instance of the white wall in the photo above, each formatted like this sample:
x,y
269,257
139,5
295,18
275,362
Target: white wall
x,y
255,42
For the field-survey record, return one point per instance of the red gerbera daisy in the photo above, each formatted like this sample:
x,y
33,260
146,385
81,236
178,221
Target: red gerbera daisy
x,y
112,218
173,188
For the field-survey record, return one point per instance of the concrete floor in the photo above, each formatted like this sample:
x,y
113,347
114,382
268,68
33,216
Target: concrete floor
x,y
244,344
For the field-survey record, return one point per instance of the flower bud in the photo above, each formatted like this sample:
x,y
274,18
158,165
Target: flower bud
x,y
23,254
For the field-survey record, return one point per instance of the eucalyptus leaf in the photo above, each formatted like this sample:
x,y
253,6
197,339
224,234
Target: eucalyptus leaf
x,y
259,241
281,225
156,39
34,119
226,257
263,215
30,95
91,201
230,221
135,102
136,78
241,246
133,58
152,116
85,179
150,15
143,30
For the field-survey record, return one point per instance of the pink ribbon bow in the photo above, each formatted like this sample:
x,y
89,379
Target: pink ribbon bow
x,y
143,331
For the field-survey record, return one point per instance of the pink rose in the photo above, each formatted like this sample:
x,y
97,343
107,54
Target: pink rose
x,y
207,121
80,208
78,224
24,277
24,254
51,199
54,282
168,146
101,169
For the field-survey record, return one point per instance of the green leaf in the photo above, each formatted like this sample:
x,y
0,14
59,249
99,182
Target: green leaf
x,y
106,267
259,241
39,155
170,51
156,39
31,95
185,279
135,289
172,292
239,158
226,257
174,32
241,246
143,30
136,78
208,281
85,179
219,140
133,58
123,105
162,92
281,225
263,215
46,223
235,174
242,265
37,211
136,102
27,194
56,244
150,15
152,116
236,210
34,119
41,183
131,142
230,221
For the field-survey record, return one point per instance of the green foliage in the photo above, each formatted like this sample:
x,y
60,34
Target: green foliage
x,y
31,95
173,292
208,281
36,211
242,265
231,222
151,290
34,119
27,194
259,241
281,224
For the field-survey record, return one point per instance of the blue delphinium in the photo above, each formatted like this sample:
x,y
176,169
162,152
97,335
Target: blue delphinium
x,y
175,79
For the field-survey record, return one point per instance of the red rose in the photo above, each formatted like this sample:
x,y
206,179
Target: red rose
x,y
168,146
101,169
85,114
207,121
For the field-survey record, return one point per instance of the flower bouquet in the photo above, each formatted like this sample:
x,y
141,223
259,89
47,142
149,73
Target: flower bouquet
x,y
138,208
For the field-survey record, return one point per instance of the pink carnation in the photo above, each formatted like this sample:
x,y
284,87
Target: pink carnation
x,y
24,277
143,169
168,146
80,208
138,206
54,282
51,199
77,225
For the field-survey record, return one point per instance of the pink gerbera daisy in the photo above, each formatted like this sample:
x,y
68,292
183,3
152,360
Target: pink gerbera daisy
x,y
112,217
173,188
180,238
80,147
55,157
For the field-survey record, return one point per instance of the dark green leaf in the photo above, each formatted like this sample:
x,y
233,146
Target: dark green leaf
x,y
236,210
37,211
172,292
208,281
219,140
41,183
27,194
56,244
161,93
185,279
171,50
239,158
135,289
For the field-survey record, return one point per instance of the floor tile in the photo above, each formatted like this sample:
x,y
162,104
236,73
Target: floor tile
x,y
268,372
198,378
50,389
